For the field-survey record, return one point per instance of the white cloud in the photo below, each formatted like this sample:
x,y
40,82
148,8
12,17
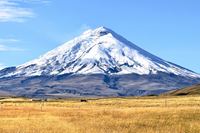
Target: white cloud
x,y
2,66
6,44
5,48
8,40
12,11
84,27
35,1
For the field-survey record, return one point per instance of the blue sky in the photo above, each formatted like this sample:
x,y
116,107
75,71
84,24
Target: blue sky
x,y
167,28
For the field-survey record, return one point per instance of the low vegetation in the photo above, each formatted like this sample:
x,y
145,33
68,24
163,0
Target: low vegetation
x,y
192,90
112,115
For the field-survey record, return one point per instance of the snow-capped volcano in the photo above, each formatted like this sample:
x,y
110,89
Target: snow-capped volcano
x,y
99,51
97,63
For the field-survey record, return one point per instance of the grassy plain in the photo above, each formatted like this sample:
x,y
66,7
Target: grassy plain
x,y
112,115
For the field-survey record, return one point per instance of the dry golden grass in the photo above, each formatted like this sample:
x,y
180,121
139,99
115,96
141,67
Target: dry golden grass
x,y
114,115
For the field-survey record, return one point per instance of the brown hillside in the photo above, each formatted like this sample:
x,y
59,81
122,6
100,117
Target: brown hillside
x,y
192,90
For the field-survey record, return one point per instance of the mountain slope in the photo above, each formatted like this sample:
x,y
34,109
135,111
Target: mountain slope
x,y
97,63
78,85
99,51
192,90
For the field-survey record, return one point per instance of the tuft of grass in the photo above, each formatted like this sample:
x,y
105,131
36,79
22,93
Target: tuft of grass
x,y
111,115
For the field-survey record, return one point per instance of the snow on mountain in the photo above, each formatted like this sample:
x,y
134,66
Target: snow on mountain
x,y
99,51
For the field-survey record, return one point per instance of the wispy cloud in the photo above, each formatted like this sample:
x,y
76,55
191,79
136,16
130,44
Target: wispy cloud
x,y
2,66
6,44
5,48
13,11
8,40
84,27
35,1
